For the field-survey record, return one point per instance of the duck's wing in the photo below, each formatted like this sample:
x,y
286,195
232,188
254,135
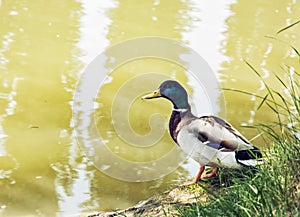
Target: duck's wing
x,y
219,134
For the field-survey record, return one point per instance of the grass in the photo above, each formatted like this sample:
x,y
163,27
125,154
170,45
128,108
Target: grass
x,y
273,189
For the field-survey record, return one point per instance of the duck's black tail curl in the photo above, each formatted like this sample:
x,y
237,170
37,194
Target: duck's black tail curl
x,y
250,157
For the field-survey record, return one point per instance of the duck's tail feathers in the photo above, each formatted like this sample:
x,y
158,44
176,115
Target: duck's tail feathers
x,y
250,157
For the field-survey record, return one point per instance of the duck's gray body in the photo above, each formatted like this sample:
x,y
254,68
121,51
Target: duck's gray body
x,y
210,140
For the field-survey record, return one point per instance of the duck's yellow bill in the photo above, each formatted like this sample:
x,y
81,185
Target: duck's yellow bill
x,y
155,94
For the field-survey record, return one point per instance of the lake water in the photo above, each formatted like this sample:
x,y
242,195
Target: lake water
x,y
47,170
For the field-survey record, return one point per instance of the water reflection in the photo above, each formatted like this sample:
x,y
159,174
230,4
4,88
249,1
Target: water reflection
x,y
44,46
131,19
36,51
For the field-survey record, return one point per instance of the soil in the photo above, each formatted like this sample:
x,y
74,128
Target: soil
x,y
163,204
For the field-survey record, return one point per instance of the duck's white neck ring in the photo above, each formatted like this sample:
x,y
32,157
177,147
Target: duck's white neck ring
x,y
180,110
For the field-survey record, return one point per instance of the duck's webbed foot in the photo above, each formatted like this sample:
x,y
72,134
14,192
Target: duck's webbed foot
x,y
214,172
196,178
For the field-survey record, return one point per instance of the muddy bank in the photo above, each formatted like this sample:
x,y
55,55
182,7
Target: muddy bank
x,y
161,205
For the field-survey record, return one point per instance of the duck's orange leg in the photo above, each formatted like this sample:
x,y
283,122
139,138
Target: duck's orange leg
x,y
196,178
213,173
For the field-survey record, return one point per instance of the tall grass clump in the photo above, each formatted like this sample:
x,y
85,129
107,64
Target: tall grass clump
x,y
273,189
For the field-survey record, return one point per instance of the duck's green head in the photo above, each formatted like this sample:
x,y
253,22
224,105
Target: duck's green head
x,y
172,91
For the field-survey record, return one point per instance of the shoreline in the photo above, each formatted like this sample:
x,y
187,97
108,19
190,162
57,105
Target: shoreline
x,y
163,204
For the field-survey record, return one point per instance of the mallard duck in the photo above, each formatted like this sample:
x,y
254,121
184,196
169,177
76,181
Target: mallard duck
x,y
209,140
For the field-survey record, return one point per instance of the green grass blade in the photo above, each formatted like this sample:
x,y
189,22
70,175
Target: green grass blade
x,y
287,27
296,51
253,69
262,102
293,48
251,94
